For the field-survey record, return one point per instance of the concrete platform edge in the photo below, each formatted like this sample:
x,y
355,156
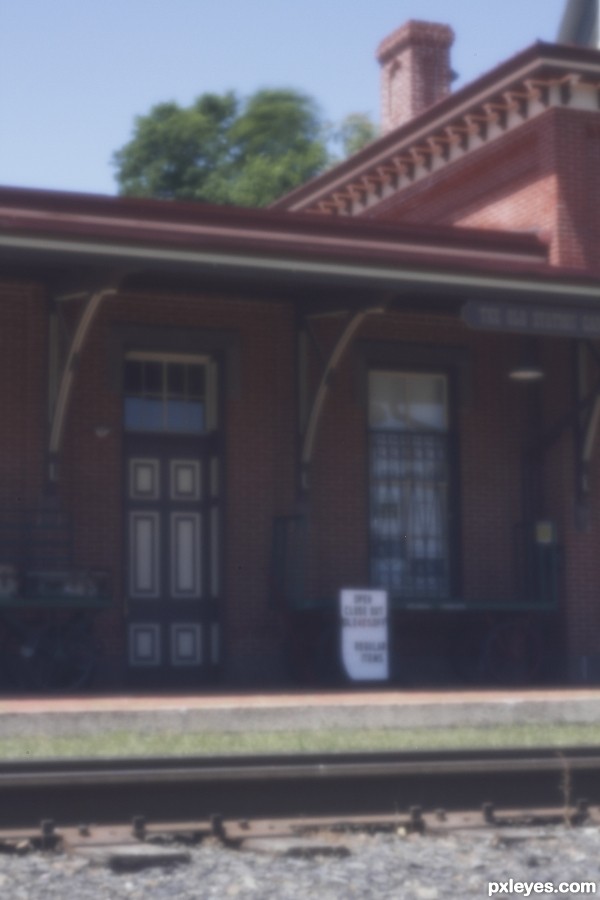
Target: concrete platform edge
x,y
308,717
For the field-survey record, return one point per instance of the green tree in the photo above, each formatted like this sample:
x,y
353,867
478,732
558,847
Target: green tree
x,y
356,131
179,153
223,150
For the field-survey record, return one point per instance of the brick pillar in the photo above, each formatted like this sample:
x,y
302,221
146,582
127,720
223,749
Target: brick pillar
x,y
415,71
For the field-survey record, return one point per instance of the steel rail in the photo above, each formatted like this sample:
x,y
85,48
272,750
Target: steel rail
x,y
103,791
191,775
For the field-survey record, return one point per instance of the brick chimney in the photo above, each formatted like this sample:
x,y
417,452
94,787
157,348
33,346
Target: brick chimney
x,y
415,71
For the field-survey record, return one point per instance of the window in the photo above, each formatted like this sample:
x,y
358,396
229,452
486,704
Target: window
x,y
409,483
167,394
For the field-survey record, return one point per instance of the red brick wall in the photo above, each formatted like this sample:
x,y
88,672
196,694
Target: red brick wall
x,y
23,397
540,177
578,522
577,136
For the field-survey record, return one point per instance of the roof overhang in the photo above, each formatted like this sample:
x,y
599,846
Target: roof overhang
x,y
44,231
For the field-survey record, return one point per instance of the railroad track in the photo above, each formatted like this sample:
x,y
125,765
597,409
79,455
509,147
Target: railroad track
x,y
499,786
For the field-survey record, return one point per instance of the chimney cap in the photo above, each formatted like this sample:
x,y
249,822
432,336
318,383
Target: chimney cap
x,y
415,33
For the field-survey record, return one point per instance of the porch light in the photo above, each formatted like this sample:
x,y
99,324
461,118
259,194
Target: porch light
x,y
526,373
527,367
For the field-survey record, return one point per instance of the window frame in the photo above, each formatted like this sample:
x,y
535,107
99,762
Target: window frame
x,y
210,399
453,513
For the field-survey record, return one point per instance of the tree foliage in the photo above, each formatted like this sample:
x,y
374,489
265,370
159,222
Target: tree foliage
x,y
225,150
356,131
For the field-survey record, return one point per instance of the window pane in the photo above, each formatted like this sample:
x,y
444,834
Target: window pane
x,y
154,419
399,401
388,407
133,414
427,402
177,415
153,377
195,417
409,534
143,414
185,417
196,381
176,379
164,396
409,484
132,377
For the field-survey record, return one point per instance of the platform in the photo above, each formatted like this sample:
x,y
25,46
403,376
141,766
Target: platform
x,y
271,712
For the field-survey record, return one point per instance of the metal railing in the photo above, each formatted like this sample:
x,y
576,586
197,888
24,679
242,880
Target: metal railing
x,y
534,564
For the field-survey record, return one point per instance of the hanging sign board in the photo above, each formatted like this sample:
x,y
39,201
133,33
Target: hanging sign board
x,y
364,638
577,322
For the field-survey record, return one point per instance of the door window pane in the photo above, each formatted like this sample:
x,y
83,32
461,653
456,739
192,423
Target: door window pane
x,y
196,416
133,376
153,377
176,379
196,381
165,396
143,414
177,415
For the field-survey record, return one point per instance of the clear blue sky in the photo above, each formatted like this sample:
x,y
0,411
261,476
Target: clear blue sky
x,y
75,73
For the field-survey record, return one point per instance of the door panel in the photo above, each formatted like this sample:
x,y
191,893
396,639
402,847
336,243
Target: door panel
x,y
144,644
186,553
186,644
174,555
185,479
144,544
144,479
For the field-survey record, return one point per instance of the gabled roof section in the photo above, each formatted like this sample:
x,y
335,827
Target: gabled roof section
x,y
525,86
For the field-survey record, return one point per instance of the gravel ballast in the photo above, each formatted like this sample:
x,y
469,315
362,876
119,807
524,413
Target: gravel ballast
x,y
377,867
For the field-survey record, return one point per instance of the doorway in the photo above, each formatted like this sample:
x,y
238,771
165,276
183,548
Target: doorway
x,y
173,512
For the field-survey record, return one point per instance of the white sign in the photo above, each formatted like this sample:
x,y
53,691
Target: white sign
x,y
364,623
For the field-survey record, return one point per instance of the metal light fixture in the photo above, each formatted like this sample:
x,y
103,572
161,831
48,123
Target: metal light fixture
x,y
527,367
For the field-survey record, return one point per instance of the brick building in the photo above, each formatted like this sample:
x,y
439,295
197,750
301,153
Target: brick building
x,y
214,419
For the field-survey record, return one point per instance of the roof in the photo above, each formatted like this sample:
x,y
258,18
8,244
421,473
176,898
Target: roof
x,y
526,85
66,230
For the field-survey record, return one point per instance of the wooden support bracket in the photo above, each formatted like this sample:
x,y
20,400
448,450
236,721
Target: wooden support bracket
x,y
67,375
343,341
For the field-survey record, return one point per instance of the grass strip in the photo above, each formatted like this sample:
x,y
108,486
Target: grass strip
x,y
115,744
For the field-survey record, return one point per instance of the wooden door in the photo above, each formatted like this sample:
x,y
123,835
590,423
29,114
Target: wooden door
x,y
173,556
